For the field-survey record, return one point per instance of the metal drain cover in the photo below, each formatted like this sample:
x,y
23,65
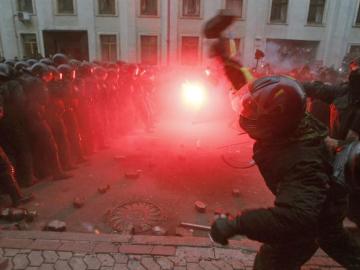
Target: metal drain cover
x,y
141,216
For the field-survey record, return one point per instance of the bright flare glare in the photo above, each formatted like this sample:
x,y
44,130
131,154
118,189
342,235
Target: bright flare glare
x,y
193,94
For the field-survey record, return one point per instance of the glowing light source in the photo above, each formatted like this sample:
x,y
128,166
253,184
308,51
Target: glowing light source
x,y
193,94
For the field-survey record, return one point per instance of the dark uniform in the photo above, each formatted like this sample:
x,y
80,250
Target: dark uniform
x,y
345,116
13,137
310,205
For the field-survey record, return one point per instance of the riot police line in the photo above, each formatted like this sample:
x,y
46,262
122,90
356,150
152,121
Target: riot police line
x,y
56,112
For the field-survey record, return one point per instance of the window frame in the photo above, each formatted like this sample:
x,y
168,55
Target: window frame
x,y
21,39
200,50
357,15
351,45
243,10
323,15
99,34
278,22
201,13
139,53
33,7
57,13
98,14
138,5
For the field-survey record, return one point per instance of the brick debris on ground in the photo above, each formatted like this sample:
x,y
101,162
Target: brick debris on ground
x,y
77,251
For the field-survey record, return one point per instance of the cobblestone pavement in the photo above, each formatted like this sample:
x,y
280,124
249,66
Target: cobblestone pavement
x,y
78,251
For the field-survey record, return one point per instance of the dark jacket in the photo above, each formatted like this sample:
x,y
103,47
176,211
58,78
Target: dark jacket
x,y
298,172
346,113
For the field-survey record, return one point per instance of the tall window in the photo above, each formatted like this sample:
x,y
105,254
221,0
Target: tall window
x,y
191,8
106,7
190,50
108,46
29,45
236,6
279,11
25,6
358,16
149,7
149,50
316,11
65,6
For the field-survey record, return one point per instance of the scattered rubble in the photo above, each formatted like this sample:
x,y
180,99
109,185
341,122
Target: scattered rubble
x,y
31,215
160,231
78,202
132,175
17,214
56,226
103,189
200,206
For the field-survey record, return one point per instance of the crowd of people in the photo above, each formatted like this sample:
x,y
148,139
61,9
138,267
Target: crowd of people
x,y
55,112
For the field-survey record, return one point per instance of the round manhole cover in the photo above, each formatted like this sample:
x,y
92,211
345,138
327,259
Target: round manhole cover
x,y
136,216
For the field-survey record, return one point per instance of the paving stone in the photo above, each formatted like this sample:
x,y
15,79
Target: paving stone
x,y
106,259
121,267
135,249
76,246
62,265
163,251
46,266
200,206
79,254
150,264
64,255
179,268
120,258
45,244
24,251
165,263
56,226
15,243
208,265
236,264
193,266
178,261
190,252
92,262
10,252
35,258
50,256
32,268
222,265
20,261
10,265
104,247
106,268
77,263
135,265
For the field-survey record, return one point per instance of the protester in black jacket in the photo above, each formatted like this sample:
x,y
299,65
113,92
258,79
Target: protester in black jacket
x,y
292,157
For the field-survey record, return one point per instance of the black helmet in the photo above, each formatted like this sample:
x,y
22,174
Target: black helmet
x,y
47,61
273,108
21,65
85,69
55,73
31,62
67,72
10,62
41,71
75,63
60,59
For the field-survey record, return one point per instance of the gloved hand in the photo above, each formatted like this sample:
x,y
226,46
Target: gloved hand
x,y
222,229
